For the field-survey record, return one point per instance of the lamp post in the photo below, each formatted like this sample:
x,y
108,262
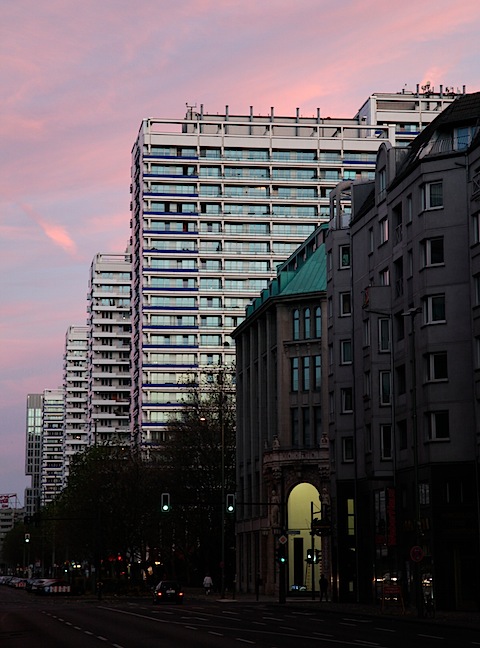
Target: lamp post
x,y
222,441
412,313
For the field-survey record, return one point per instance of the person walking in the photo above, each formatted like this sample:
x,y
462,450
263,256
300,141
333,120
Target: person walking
x,y
323,588
207,584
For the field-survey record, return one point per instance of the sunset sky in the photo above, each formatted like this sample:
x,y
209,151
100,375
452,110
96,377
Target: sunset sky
x,y
76,79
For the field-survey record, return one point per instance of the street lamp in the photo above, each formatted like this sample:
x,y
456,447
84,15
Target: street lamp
x,y
412,313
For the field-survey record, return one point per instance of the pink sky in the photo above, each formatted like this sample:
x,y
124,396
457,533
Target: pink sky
x,y
77,78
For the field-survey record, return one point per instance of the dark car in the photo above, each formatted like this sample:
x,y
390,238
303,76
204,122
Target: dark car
x,y
169,591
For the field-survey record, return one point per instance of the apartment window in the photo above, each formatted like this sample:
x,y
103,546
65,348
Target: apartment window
x,y
424,494
294,374
317,372
346,395
433,195
384,277
330,307
345,304
436,365
307,321
384,334
346,352
344,251
409,209
383,230
435,309
438,425
370,240
432,251
385,383
296,324
386,441
382,182
329,261
347,449
306,373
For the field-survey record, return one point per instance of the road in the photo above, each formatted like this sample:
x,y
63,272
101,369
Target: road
x,y
28,621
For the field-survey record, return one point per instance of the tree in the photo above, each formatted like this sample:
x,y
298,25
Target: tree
x,y
198,454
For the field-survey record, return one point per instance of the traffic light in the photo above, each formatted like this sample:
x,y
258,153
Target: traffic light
x,y
165,503
310,556
230,506
27,537
282,554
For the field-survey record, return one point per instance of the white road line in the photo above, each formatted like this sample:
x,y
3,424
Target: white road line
x,y
191,627
217,634
244,640
384,630
425,636
100,638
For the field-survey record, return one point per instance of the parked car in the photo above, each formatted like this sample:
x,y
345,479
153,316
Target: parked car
x,y
169,591
51,586
17,582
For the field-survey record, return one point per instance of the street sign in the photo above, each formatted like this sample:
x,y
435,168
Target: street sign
x,y
416,554
293,532
282,539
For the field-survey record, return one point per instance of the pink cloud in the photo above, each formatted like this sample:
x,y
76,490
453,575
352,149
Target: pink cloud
x,y
55,233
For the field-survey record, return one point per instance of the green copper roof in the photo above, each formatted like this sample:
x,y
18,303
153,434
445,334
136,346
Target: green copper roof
x,y
311,277
305,271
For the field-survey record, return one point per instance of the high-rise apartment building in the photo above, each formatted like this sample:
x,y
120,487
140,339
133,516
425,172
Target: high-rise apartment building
x,y
75,433
109,332
218,202
33,452
52,444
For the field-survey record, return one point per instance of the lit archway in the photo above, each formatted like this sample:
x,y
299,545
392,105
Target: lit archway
x,y
299,509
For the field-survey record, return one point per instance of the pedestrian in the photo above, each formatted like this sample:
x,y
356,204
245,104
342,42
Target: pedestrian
x,y
207,584
323,588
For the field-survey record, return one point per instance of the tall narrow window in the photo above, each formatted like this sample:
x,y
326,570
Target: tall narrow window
x,y
385,387
346,352
347,449
306,373
433,195
346,395
294,374
318,372
318,322
384,334
307,323
345,304
386,441
296,324
344,256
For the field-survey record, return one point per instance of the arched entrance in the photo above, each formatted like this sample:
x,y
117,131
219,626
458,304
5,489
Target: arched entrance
x,y
304,499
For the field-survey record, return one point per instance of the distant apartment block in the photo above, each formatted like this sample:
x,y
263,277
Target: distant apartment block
x,y
109,342
75,384
52,444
